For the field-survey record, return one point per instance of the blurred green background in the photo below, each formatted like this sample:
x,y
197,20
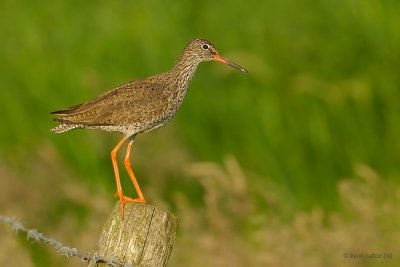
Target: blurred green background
x,y
294,164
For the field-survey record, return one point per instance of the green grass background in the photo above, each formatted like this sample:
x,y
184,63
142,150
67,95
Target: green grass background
x,y
321,97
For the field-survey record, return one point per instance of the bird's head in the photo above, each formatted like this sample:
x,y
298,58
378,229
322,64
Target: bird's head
x,y
203,50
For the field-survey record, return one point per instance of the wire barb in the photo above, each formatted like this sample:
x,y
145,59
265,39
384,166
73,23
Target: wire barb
x,y
35,235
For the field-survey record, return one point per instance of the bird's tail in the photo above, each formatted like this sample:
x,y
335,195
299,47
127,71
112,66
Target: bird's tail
x,y
64,127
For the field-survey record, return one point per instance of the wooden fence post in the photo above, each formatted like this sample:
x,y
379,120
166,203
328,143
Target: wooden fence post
x,y
145,237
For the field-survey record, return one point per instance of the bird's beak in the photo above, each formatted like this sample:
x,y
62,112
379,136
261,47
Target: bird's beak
x,y
218,57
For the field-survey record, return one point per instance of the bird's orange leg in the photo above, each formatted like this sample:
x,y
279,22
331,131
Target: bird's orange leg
x,y
127,163
123,199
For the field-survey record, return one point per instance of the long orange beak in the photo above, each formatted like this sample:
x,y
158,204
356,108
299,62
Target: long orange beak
x,y
218,57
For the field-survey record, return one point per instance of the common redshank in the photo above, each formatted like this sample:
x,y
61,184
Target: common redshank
x,y
139,106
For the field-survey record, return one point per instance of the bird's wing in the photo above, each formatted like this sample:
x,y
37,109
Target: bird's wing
x,y
66,110
134,102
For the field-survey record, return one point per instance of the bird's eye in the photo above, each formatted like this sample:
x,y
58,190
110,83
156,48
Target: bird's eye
x,y
205,46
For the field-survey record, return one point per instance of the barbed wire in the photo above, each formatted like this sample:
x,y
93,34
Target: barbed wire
x,y
33,234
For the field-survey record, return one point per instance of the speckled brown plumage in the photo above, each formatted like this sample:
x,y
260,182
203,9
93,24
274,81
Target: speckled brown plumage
x,y
141,105
131,108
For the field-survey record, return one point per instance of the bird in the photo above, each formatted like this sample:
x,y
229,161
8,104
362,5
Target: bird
x,y
139,106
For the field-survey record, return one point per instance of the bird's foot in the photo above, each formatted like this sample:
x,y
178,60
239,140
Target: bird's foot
x,y
124,199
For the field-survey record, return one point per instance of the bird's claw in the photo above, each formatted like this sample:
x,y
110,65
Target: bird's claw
x,y
124,199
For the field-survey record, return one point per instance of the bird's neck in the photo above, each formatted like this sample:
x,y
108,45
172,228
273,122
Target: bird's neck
x,y
185,69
